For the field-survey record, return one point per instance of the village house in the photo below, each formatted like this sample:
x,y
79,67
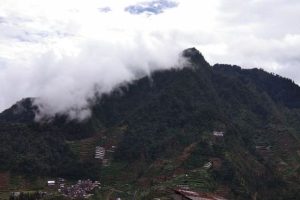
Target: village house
x,y
61,180
99,152
207,165
218,133
51,183
265,151
218,136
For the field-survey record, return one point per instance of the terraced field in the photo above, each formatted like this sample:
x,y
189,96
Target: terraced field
x,y
86,148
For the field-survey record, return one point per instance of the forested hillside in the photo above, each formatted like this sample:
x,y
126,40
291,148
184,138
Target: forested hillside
x,y
163,129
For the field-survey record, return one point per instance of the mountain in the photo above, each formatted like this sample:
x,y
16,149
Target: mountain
x,y
160,131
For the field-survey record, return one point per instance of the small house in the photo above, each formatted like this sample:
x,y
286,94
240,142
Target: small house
x,y
218,133
207,165
61,180
51,183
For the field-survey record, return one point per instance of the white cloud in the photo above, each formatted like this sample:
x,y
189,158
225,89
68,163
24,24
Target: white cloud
x,y
60,50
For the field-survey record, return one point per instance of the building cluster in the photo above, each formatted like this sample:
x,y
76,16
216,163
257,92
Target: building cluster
x,y
80,190
103,154
59,182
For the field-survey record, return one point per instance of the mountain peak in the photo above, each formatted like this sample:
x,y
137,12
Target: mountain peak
x,y
194,56
191,51
23,111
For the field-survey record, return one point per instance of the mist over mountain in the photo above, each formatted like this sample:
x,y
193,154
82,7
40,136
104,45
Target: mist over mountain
x,y
62,52
69,84
162,128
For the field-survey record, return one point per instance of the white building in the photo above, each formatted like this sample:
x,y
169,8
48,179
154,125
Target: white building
x,y
51,183
99,152
218,133
208,165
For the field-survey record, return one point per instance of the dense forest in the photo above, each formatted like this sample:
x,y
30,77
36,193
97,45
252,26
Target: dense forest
x,y
162,126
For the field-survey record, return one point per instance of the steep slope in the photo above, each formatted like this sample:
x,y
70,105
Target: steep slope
x,y
163,129
176,108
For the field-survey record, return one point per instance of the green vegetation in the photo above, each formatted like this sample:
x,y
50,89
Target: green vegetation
x,y
162,127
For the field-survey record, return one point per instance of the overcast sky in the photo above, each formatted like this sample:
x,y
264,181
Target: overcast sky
x,y
64,50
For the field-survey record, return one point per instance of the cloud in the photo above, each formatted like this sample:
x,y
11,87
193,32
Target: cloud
x,y
152,7
104,9
69,84
64,51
